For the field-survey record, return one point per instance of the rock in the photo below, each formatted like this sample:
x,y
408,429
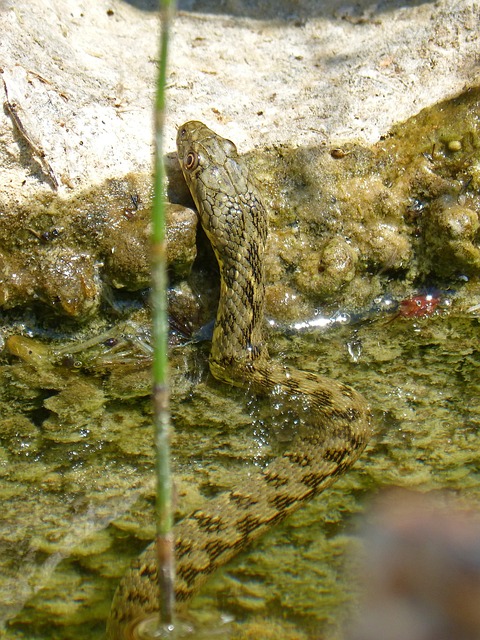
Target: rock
x,y
63,252
79,79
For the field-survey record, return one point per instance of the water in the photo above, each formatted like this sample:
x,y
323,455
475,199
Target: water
x,y
76,474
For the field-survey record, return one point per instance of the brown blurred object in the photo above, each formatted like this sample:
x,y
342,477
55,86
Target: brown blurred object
x,y
421,576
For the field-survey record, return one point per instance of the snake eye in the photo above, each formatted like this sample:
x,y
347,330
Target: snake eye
x,y
191,161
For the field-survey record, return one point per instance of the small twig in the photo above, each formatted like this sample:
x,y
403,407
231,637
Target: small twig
x,y
14,109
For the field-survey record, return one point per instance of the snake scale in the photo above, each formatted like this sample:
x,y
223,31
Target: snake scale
x,y
337,419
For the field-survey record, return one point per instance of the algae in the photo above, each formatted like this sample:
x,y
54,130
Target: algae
x,y
353,234
63,254
346,224
424,388
347,227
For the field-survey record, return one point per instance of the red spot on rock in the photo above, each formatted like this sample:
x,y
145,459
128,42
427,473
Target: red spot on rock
x,y
418,306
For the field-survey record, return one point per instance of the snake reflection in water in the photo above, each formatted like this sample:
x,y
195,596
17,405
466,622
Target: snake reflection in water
x,y
336,420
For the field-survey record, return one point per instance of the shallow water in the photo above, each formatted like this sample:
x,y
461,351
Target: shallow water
x,y
76,469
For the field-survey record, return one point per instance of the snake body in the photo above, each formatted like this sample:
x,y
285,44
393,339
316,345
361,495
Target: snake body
x,y
336,420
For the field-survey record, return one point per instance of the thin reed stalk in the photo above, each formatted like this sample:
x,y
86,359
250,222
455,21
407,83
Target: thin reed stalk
x,y
161,392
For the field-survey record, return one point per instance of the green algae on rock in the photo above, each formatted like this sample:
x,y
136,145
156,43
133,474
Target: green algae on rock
x,y
451,233
343,227
61,253
347,228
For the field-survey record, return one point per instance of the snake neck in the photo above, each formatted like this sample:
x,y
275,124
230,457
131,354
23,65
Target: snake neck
x,y
237,343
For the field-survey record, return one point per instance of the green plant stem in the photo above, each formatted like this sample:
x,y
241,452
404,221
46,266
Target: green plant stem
x,y
161,393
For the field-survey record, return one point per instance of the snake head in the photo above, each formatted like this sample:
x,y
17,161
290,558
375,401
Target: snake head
x,y
219,182
200,150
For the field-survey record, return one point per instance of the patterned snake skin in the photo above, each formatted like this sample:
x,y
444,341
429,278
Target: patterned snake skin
x,y
335,421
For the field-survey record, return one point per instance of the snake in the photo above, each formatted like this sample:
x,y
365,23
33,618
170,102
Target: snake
x,y
335,421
